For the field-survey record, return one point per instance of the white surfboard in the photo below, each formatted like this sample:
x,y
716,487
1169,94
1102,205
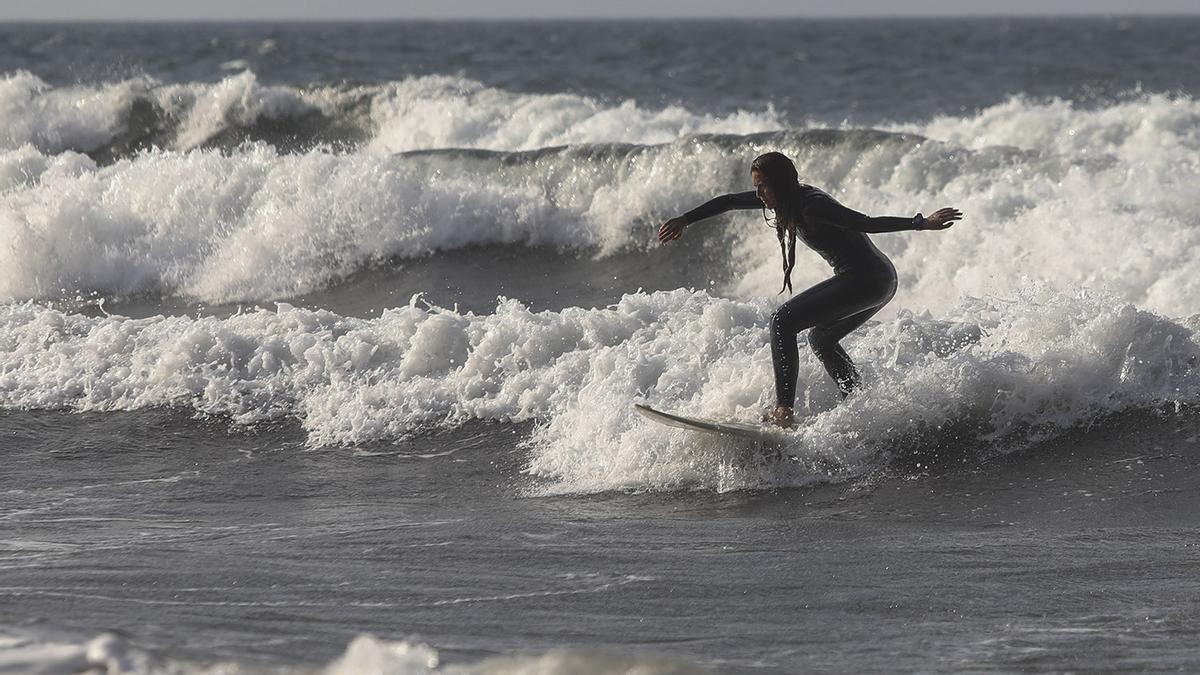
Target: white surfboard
x,y
739,429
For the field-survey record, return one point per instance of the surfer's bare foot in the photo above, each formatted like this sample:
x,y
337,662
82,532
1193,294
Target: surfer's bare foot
x,y
781,416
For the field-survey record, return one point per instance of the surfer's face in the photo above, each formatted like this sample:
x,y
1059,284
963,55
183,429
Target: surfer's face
x,y
765,195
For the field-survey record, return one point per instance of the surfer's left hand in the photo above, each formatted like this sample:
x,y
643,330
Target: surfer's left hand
x,y
942,218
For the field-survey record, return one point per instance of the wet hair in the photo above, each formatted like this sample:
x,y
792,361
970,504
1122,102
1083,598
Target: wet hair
x,y
779,173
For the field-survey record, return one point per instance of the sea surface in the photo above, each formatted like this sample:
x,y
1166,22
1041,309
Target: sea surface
x,y
319,345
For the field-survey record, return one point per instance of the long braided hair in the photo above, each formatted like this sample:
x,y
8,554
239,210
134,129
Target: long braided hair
x,y
779,173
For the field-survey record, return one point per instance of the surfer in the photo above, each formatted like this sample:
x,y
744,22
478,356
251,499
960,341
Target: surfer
x,y
863,281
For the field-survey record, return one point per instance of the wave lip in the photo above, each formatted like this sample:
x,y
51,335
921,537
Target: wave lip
x,y
54,120
445,112
112,121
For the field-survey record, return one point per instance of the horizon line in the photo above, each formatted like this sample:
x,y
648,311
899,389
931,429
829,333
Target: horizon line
x,y
550,19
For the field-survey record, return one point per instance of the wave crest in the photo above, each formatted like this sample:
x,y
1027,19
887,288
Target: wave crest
x,y
112,121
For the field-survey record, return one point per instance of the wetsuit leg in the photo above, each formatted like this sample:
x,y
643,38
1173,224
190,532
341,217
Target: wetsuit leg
x,y
824,342
842,298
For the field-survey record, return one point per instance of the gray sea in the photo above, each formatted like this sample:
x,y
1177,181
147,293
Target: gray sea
x,y
319,345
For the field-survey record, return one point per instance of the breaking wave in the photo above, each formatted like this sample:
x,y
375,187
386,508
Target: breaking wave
x,y
110,121
254,223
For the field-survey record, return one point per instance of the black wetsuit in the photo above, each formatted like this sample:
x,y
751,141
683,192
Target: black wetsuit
x,y
863,281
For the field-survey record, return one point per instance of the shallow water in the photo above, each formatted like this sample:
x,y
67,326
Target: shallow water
x,y
210,545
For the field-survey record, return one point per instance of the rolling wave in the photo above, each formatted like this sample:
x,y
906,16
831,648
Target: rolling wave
x,y
115,120
256,223
112,121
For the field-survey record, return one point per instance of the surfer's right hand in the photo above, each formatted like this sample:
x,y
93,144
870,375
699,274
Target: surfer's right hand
x,y
672,229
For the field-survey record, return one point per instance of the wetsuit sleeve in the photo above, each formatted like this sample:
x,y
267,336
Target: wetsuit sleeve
x,y
719,205
828,210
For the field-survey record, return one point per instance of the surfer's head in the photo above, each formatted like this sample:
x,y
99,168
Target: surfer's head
x,y
778,186
775,179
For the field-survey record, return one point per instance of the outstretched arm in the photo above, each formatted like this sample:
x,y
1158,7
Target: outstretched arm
x,y
830,211
673,228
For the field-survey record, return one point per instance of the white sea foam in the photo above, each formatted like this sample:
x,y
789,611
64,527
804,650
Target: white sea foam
x,y
1103,228
1010,370
71,118
1095,198
1134,129
238,100
450,112
256,224
1072,196
84,118
412,114
365,655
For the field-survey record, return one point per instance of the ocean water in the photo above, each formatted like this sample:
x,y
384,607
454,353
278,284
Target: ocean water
x,y
319,345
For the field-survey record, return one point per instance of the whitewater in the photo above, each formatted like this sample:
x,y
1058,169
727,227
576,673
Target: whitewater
x,y
1044,183
1058,199
1010,372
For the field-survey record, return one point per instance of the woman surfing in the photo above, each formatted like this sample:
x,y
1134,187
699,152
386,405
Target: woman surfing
x,y
863,280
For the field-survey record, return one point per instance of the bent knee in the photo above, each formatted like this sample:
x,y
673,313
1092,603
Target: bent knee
x,y
820,341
